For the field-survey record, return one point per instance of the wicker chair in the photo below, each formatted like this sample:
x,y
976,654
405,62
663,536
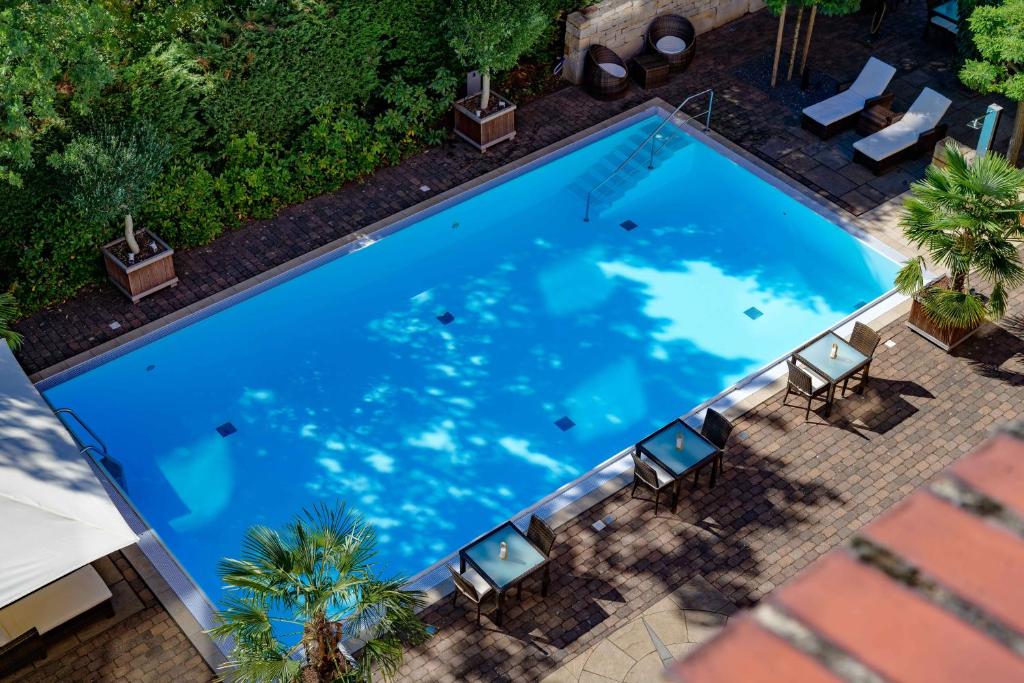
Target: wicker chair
x,y
716,429
605,75
865,340
473,586
802,383
541,535
673,26
649,476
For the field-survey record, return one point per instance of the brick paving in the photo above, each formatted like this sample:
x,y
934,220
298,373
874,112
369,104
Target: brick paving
x,y
790,490
731,59
141,643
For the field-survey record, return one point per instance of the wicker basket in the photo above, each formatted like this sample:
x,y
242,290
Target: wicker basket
x,y
679,27
600,82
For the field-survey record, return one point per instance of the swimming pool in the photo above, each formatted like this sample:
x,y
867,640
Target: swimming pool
x,y
447,376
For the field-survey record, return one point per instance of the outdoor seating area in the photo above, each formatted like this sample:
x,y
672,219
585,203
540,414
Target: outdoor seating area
x,y
670,44
665,458
830,361
501,560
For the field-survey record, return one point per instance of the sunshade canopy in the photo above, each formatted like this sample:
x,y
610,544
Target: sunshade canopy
x,y
55,515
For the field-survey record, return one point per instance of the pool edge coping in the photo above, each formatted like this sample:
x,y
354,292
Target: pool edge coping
x,y
614,479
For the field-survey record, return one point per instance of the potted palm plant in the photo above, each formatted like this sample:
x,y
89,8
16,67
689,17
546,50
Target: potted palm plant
x,y
109,172
299,594
967,217
490,35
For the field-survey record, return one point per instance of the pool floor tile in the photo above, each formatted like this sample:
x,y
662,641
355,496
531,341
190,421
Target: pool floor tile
x,y
564,423
628,226
753,313
446,318
227,429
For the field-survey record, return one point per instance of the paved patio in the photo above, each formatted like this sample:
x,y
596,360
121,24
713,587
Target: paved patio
x,y
790,490
732,60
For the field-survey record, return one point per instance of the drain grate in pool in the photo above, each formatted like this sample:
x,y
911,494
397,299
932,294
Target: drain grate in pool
x,y
445,318
753,313
227,429
564,423
628,225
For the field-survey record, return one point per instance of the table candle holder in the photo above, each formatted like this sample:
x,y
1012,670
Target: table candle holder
x,y
834,351
503,551
680,440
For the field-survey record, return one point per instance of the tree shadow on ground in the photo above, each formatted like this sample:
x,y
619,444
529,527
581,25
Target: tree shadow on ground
x,y
995,350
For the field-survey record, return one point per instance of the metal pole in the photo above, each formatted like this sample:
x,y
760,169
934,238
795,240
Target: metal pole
x,y
711,104
650,164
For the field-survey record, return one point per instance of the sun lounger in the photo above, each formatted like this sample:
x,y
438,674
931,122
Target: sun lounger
x,y
828,117
915,133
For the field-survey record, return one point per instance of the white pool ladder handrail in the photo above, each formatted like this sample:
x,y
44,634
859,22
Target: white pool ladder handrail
x,y
710,92
111,464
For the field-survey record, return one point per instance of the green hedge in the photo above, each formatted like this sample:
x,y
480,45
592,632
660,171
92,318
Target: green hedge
x,y
266,103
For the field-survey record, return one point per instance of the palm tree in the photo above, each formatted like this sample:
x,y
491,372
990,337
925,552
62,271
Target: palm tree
x,y
968,218
298,594
8,311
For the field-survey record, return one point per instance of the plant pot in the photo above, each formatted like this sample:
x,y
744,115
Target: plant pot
x,y
488,128
151,271
946,338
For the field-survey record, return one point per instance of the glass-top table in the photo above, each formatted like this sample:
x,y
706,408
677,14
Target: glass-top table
x,y
818,357
523,559
679,448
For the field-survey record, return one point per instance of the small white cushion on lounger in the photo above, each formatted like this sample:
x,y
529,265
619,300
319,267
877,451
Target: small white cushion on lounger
x,y
836,107
873,79
871,82
924,114
670,45
479,583
614,69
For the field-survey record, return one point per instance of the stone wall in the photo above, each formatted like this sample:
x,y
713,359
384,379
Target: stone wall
x,y
621,24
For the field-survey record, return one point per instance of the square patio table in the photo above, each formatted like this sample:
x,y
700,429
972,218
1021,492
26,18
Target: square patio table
x,y
696,452
833,370
524,558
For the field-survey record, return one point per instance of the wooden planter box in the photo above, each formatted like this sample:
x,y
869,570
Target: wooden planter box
x,y
489,129
946,338
148,275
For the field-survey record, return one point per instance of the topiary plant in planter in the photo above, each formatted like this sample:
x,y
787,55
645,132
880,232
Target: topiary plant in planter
x,y
490,35
967,217
108,173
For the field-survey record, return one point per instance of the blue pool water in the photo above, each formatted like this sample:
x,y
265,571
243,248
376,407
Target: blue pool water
x,y
460,369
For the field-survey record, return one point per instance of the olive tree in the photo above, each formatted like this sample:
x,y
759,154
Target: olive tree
x,y
110,171
490,35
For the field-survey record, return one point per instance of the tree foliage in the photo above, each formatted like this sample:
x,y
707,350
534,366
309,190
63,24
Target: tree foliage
x,y
110,171
999,37
490,35
298,594
264,102
55,60
8,311
968,218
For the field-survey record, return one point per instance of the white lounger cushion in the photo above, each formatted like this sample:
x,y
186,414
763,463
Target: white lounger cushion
x,y
871,82
924,114
614,69
670,45
55,604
